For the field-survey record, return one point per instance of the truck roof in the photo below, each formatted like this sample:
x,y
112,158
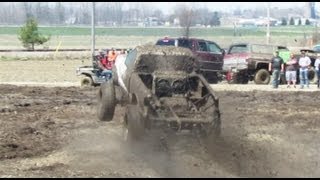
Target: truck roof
x,y
173,38
248,43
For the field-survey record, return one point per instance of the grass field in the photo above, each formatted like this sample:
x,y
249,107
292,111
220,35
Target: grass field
x,y
80,37
163,31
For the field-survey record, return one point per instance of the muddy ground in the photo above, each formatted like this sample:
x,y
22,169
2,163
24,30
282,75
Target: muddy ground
x,y
54,132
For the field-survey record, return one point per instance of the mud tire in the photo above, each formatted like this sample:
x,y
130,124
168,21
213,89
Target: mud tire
x,y
312,76
262,77
106,101
86,81
134,124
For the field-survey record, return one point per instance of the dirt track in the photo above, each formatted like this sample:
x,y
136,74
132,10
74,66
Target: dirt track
x,y
54,132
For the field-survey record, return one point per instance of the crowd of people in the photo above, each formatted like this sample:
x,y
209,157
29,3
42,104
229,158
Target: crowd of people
x,y
303,64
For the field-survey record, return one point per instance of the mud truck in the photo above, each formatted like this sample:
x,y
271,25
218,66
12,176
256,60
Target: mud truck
x,y
209,55
245,62
160,88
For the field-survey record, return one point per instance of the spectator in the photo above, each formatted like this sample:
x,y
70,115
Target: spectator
x,y
103,65
317,66
276,66
112,55
304,63
101,54
291,71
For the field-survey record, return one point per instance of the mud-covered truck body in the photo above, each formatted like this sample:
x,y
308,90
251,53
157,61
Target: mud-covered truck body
x,y
209,55
245,62
159,88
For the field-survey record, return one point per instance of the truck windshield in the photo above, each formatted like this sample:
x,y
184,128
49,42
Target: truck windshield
x,y
238,49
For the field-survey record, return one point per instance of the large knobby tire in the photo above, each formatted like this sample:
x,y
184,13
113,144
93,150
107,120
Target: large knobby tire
x,y
262,77
312,76
106,101
134,124
86,81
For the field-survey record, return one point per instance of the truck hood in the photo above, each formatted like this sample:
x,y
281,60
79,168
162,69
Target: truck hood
x,y
235,61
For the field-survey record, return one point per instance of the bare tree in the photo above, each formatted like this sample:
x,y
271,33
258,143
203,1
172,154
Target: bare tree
x,y
118,12
59,13
186,16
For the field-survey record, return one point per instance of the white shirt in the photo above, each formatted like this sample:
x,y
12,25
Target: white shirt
x,y
304,61
316,64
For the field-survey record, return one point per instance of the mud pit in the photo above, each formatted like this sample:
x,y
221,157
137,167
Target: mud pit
x,y
54,132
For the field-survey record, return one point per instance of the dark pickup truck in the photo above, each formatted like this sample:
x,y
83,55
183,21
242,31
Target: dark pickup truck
x,y
209,55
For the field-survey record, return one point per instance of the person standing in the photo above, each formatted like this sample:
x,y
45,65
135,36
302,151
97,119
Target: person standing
x,y
317,67
291,71
276,66
304,63
112,55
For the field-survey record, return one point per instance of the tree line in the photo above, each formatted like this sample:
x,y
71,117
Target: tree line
x,y
292,22
107,13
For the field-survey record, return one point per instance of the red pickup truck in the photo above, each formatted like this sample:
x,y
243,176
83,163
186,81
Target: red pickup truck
x,y
244,62
249,61
210,55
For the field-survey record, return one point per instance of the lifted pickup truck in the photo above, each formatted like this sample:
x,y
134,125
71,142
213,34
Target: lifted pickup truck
x,y
160,89
245,62
250,62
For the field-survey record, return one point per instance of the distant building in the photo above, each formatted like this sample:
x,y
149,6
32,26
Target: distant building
x,y
176,21
71,20
152,21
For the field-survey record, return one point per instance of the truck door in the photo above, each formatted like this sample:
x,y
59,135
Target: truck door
x,y
210,56
201,51
215,54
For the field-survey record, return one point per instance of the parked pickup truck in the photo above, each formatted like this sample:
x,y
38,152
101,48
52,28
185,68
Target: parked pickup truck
x,y
248,61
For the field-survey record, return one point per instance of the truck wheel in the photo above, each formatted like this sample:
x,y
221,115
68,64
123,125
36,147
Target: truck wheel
x,y
86,81
262,77
134,124
312,76
106,101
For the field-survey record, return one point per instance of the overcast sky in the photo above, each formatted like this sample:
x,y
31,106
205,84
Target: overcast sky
x,y
167,7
